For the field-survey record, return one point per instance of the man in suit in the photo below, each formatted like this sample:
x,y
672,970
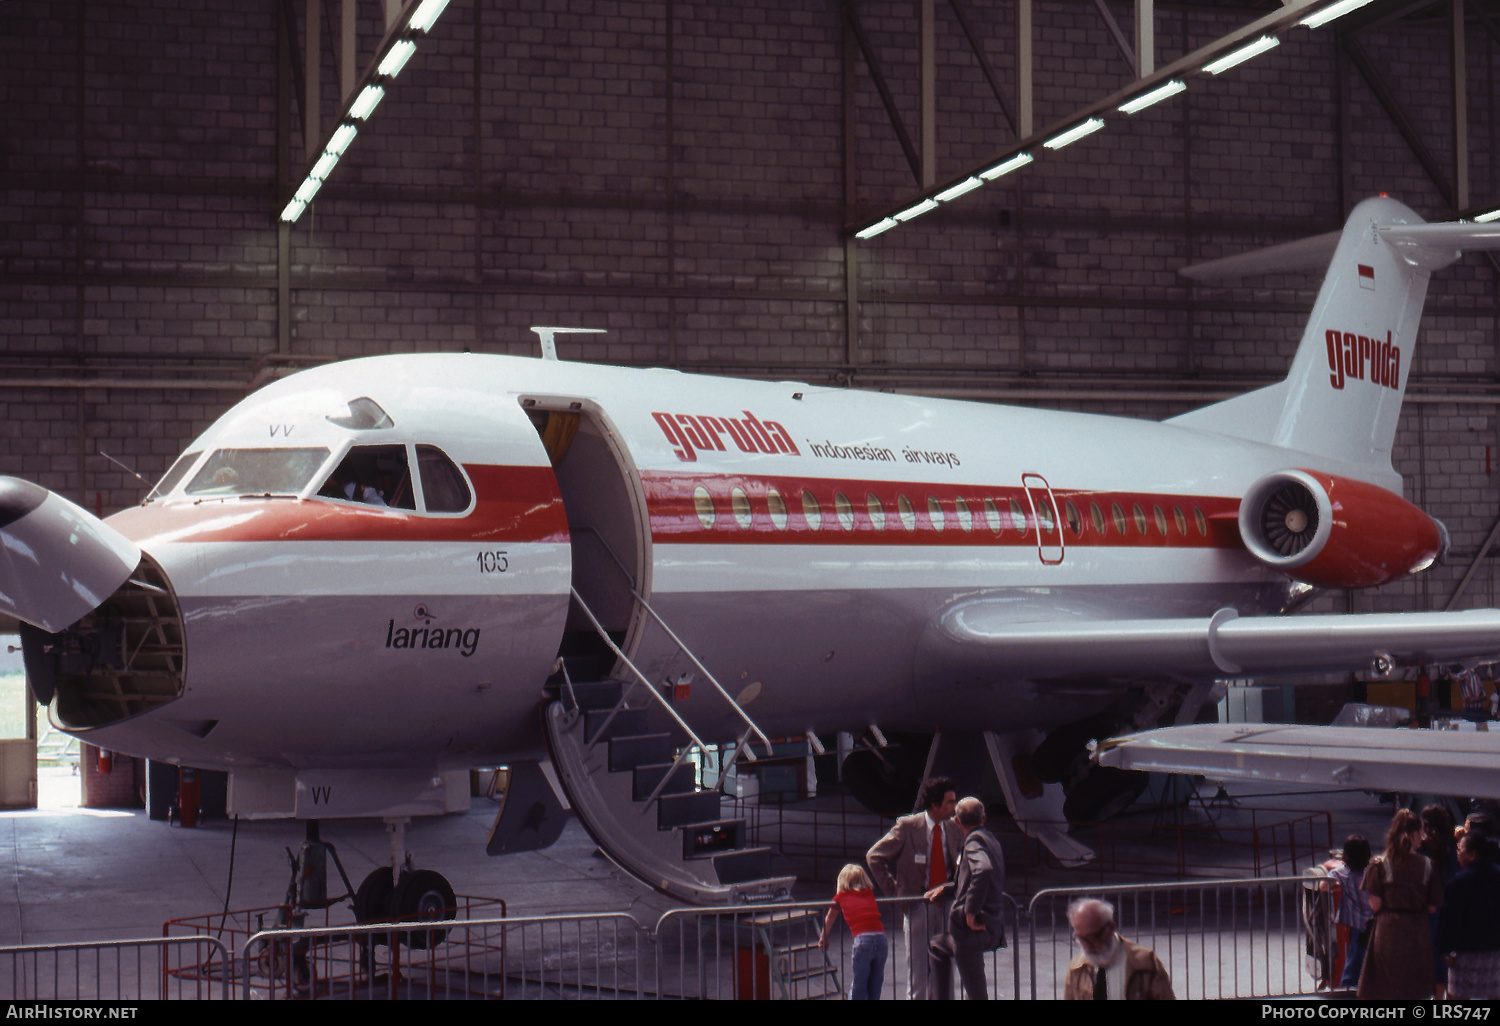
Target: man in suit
x,y
918,857
977,922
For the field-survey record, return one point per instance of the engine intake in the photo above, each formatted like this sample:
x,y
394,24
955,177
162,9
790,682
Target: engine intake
x,y
1336,532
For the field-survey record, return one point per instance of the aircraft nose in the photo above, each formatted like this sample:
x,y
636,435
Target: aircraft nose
x,y
57,561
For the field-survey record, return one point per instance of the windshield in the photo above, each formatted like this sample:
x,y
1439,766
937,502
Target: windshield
x,y
174,475
257,472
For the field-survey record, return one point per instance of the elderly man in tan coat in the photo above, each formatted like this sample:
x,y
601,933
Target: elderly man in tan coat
x,y
1111,968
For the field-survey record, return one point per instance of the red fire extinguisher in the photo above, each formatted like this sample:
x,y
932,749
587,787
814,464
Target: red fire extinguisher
x,y
106,760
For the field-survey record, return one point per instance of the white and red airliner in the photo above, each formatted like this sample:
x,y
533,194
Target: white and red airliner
x,y
364,574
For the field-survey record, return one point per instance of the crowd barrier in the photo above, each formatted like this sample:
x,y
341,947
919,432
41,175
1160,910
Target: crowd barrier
x,y
1224,939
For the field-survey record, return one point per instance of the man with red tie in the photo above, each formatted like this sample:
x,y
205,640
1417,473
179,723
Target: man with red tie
x,y
918,856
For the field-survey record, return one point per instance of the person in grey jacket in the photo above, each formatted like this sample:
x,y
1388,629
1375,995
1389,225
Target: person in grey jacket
x,y
977,922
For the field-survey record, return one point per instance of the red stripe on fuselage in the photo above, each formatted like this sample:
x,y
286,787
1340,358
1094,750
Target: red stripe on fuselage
x,y
514,504
1205,521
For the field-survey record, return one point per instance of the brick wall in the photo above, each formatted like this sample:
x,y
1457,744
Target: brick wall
x,y
673,172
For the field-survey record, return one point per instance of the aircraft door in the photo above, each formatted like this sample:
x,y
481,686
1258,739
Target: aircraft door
x,y
607,524
1045,519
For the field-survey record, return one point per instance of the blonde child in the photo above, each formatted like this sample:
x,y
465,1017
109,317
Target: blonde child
x,y
855,900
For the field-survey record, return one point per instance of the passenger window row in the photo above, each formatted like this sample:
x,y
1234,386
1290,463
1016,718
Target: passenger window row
x,y
995,514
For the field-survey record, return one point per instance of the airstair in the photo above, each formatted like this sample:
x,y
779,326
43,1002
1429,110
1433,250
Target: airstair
x,y
624,756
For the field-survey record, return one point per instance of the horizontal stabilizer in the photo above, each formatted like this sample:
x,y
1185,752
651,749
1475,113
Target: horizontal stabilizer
x,y
57,561
1449,762
1310,254
1223,645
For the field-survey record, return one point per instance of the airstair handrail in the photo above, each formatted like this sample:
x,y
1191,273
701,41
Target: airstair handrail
x,y
739,711
639,676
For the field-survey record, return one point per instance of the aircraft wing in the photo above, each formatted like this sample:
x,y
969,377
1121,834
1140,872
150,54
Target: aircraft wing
x,y
1451,762
1224,645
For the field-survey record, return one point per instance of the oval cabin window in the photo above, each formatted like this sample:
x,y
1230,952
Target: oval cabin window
x,y
964,514
992,516
739,505
935,513
843,510
776,505
811,510
704,504
907,512
876,510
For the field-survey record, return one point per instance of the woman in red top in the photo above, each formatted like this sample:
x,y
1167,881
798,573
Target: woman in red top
x,y
855,899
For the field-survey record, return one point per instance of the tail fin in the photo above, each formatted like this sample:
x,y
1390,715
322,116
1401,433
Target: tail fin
x,y
1342,398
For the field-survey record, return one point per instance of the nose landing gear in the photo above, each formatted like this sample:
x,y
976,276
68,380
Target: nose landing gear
x,y
398,893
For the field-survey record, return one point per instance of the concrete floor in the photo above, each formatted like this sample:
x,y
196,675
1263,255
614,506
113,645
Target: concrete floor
x,y
71,874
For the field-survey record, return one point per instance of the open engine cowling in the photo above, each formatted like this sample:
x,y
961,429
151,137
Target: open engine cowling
x,y
1336,532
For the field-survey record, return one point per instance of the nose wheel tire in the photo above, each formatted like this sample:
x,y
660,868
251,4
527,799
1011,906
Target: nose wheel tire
x,y
372,902
424,896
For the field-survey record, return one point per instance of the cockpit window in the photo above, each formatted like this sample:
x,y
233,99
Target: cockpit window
x,y
365,414
444,489
256,471
376,475
174,475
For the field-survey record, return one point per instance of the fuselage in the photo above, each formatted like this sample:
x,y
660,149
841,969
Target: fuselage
x,y
800,541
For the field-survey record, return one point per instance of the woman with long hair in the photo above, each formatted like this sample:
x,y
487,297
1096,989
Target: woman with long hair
x,y
1404,890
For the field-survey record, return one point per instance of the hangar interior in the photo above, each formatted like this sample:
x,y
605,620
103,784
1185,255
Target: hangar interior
x,y
693,177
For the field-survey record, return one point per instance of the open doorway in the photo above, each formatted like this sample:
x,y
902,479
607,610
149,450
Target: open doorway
x,y
38,765
608,527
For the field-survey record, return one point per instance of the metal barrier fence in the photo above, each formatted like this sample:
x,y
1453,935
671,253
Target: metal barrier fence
x,y
599,956
772,952
817,842
1217,939
156,968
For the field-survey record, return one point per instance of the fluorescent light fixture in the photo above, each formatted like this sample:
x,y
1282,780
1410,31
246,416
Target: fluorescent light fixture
x,y
1241,55
310,187
1005,167
427,14
967,185
397,58
1075,133
1329,13
917,211
876,228
341,139
1155,96
1493,215
293,210
323,166
369,98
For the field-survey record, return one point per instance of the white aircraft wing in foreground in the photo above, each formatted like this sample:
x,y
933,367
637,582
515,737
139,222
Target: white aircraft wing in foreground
x,y
1452,762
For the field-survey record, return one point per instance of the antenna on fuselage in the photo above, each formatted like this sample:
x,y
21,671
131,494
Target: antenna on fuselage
x,y
549,343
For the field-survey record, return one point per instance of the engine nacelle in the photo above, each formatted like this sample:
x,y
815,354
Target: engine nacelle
x,y
1336,532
